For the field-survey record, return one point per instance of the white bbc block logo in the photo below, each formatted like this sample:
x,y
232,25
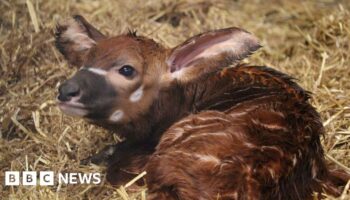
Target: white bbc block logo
x,y
12,178
29,178
46,178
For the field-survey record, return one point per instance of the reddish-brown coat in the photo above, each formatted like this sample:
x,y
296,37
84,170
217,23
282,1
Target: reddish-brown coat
x,y
243,132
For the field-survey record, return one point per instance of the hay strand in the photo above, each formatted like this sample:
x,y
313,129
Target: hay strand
x,y
33,16
306,39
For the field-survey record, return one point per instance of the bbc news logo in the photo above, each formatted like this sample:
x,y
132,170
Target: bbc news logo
x,y
47,178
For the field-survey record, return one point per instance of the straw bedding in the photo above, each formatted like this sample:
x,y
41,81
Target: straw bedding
x,y
309,40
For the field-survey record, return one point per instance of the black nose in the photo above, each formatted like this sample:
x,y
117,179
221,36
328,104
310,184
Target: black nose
x,y
68,90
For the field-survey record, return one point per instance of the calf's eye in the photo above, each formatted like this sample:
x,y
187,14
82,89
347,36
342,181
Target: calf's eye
x,y
127,70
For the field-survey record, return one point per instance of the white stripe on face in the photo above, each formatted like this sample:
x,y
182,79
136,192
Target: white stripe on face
x,y
137,94
97,71
116,116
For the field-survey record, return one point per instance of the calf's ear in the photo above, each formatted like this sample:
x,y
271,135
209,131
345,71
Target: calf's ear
x,y
74,37
210,51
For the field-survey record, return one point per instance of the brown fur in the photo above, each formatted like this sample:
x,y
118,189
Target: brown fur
x,y
212,132
272,129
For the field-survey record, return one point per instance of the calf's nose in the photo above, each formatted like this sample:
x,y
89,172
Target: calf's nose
x,y
68,90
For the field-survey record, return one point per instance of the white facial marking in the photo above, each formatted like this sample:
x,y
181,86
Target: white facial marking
x,y
137,94
98,71
116,116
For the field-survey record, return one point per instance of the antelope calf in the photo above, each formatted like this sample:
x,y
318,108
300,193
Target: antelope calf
x,y
202,125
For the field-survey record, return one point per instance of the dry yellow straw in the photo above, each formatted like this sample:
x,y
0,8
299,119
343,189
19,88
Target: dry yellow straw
x,y
33,16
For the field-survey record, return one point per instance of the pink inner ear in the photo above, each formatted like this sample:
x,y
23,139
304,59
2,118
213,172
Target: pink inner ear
x,y
194,50
236,41
75,33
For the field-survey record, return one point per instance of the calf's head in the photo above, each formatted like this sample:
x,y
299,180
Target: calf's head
x,y
121,76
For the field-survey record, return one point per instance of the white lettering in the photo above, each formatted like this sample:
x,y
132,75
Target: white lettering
x,y
73,179
63,178
96,178
85,178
